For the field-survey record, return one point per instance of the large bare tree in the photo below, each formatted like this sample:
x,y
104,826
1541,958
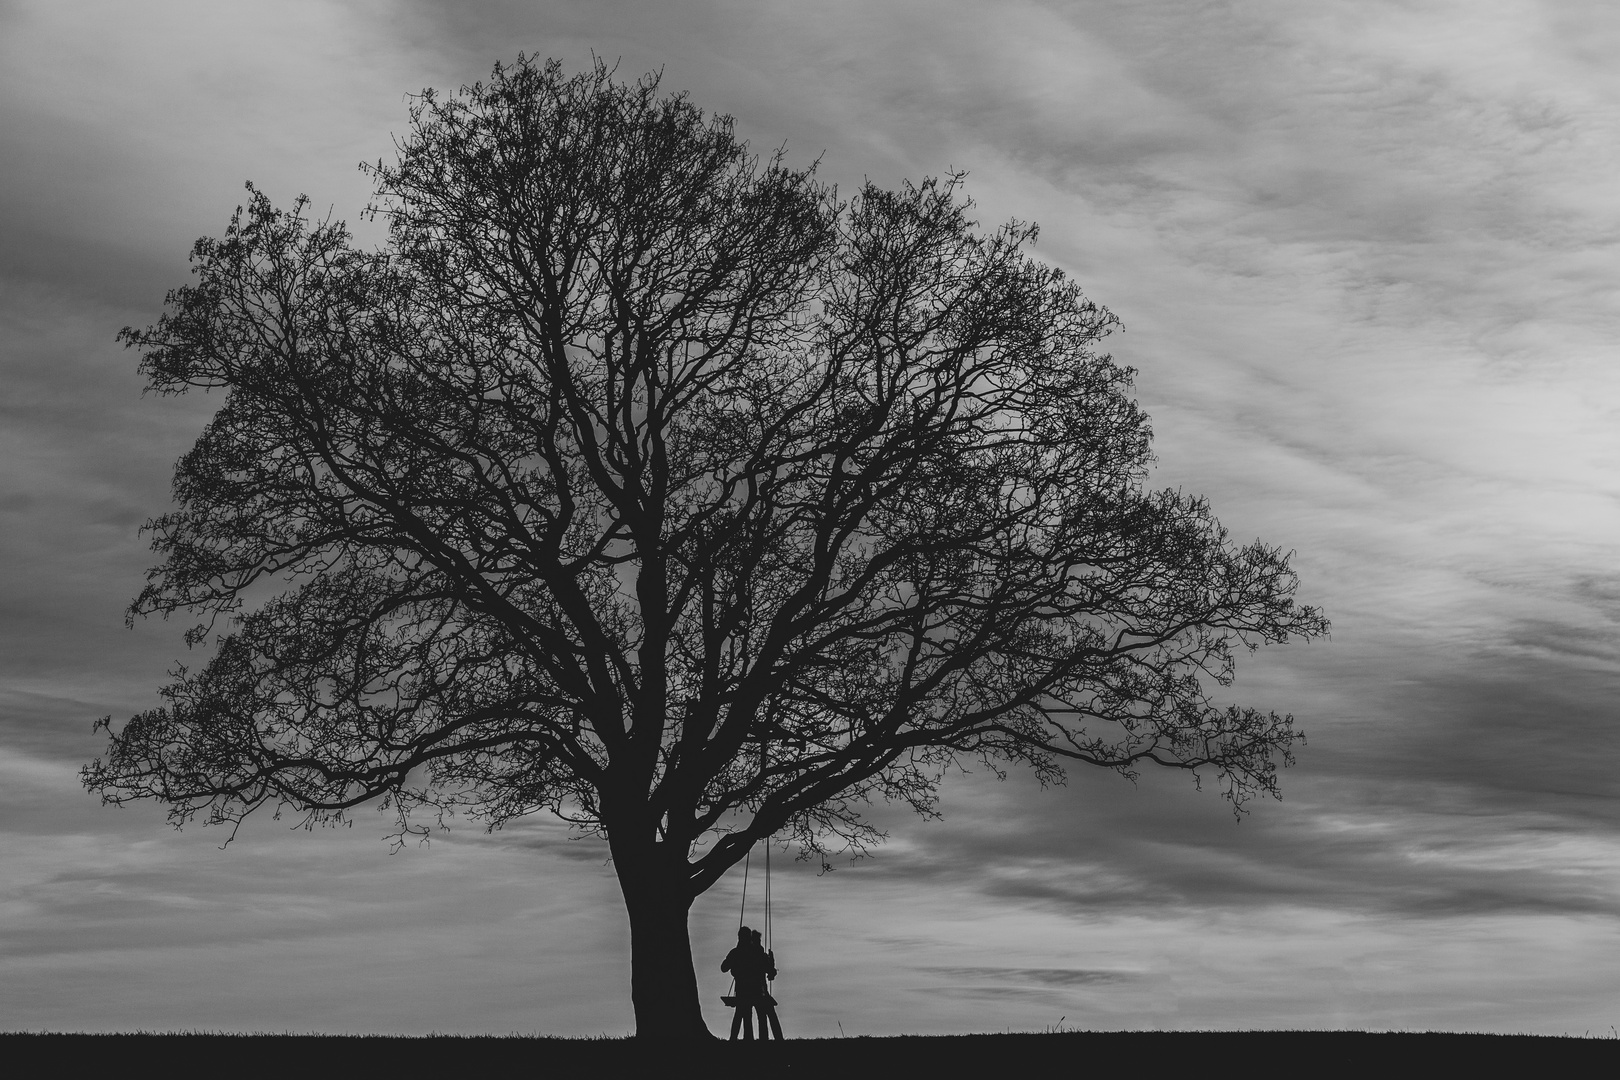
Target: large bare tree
x,y
649,483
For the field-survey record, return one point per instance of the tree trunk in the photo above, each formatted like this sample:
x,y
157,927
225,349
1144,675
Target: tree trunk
x,y
663,982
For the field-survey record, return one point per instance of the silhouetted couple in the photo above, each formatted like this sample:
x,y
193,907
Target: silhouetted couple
x,y
752,967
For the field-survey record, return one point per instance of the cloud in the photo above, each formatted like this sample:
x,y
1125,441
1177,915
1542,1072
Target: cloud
x,y
1364,253
1044,976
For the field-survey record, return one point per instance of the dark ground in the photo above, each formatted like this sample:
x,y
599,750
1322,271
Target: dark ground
x,y
1060,1054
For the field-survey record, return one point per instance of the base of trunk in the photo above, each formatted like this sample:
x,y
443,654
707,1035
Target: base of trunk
x,y
663,982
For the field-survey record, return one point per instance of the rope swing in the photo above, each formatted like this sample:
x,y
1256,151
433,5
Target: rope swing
x,y
742,911
754,954
764,747
730,997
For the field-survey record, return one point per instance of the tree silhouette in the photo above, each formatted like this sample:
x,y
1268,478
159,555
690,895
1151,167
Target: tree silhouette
x,y
649,483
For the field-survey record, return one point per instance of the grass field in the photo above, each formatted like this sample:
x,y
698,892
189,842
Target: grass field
x,y
1061,1054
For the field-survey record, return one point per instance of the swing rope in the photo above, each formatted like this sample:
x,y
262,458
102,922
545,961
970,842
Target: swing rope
x,y
742,909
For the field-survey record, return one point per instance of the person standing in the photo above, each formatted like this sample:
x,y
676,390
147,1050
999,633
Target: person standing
x,y
765,1004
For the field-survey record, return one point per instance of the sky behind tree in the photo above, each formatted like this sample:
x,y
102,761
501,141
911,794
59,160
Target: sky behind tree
x,y
1365,258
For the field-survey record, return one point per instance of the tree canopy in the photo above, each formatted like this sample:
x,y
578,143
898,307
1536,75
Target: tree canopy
x,y
652,483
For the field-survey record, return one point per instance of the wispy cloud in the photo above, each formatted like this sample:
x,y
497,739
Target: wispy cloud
x,y
1042,976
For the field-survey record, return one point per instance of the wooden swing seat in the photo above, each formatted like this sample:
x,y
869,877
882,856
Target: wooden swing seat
x,y
730,1000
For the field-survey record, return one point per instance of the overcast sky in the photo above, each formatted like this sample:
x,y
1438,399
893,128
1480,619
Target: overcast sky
x,y
1367,257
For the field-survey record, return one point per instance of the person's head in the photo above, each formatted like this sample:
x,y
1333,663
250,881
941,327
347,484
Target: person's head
x,y
757,937
743,934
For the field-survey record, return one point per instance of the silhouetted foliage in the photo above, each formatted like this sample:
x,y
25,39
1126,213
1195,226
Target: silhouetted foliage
x,y
650,483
